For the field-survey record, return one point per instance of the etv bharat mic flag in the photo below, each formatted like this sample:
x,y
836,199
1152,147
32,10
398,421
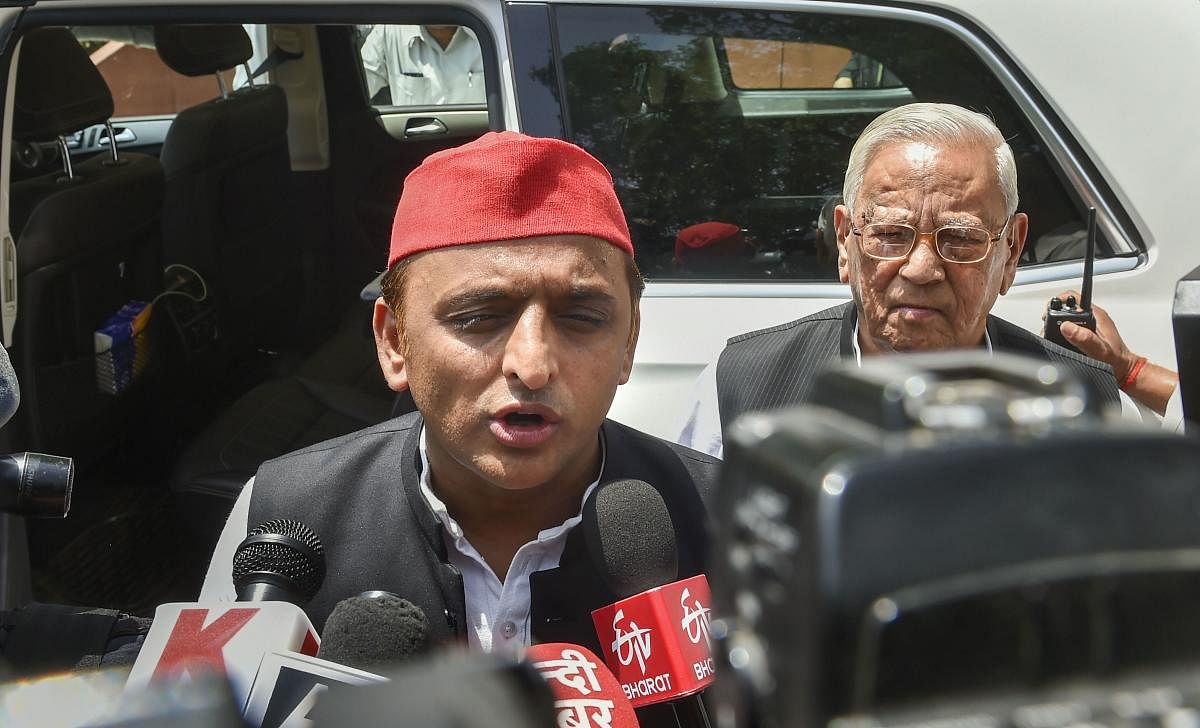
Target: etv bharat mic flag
x,y
656,642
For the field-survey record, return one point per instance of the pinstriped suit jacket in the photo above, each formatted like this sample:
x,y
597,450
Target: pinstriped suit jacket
x,y
778,367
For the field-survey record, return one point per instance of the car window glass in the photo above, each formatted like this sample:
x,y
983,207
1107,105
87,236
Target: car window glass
x,y
421,66
728,131
141,84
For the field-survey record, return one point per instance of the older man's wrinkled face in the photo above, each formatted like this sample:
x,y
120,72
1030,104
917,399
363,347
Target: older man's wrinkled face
x,y
513,352
924,303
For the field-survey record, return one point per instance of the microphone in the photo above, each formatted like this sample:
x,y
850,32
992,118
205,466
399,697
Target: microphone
x,y
373,630
655,639
280,559
449,689
31,484
586,693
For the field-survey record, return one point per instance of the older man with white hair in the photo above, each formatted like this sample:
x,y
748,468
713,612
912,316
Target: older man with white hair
x,y
928,237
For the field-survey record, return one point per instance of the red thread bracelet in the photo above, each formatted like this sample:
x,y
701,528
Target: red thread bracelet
x,y
1134,371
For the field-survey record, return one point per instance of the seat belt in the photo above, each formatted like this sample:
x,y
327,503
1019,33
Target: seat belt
x,y
276,57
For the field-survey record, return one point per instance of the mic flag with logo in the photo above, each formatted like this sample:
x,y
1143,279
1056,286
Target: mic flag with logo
x,y
586,693
657,642
221,637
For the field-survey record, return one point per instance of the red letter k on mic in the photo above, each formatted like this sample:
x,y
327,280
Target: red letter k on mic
x,y
191,643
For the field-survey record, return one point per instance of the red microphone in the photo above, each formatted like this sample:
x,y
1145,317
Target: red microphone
x,y
656,642
585,692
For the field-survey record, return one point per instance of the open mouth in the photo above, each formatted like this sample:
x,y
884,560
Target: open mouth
x,y
525,429
523,419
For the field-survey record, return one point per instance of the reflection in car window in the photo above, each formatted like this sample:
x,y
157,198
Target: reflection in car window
x,y
745,119
755,63
421,65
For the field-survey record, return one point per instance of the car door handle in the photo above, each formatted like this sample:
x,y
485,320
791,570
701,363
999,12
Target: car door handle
x,y
423,126
124,136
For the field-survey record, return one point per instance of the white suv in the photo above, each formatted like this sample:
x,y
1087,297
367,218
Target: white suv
x,y
734,111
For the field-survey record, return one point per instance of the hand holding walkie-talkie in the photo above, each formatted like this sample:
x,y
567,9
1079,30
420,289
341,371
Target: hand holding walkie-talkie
x,y
1080,312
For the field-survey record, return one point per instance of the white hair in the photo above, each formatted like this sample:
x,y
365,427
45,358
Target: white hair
x,y
944,124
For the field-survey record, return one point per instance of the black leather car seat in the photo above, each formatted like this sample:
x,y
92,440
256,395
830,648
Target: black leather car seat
x,y
336,390
88,241
228,171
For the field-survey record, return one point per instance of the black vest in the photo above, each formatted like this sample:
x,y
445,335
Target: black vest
x,y
361,494
778,367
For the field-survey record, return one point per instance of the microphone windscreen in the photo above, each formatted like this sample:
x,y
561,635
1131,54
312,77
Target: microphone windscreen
x,y
369,632
630,534
10,390
284,553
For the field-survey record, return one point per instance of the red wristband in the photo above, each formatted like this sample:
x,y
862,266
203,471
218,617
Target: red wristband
x,y
1134,371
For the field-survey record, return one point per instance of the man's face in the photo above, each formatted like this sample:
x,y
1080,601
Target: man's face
x,y
922,302
513,352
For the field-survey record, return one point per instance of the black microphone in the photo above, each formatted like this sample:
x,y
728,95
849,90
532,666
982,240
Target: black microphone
x,y
363,634
31,484
373,630
279,561
630,536
655,637
448,689
278,567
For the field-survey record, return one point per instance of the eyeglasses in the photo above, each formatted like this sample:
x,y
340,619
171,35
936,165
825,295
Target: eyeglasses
x,y
954,243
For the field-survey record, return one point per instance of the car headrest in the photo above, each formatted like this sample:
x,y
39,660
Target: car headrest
x,y
198,50
59,90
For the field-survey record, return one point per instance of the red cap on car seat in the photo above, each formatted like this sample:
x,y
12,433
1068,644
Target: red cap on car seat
x,y
506,186
709,238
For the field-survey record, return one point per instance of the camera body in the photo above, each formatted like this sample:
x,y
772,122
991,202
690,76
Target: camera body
x,y
939,527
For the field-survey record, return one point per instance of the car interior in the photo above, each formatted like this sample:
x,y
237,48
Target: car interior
x,y
257,340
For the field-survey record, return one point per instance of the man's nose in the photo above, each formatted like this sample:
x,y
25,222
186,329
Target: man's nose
x,y
529,354
924,265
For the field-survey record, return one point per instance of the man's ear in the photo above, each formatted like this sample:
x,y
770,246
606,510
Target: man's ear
x,y
631,343
841,224
389,346
1016,244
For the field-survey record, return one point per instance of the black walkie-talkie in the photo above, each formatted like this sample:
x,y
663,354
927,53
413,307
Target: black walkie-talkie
x,y
1080,314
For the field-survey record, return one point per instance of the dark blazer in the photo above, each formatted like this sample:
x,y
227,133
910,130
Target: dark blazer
x,y
361,494
778,367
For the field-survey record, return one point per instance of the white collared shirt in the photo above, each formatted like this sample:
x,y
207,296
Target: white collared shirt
x,y
418,71
497,612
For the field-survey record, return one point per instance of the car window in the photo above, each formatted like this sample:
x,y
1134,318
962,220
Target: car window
x,y
141,84
421,66
728,131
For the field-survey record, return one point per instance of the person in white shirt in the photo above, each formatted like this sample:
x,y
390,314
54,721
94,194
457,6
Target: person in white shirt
x,y
423,65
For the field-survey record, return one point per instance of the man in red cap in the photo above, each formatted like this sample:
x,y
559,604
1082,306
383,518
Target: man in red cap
x,y
510,312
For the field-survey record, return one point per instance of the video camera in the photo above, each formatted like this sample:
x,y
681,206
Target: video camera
x,y
956,539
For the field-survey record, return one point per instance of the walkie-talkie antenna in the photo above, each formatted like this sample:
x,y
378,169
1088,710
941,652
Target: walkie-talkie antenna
x,y
1085,297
